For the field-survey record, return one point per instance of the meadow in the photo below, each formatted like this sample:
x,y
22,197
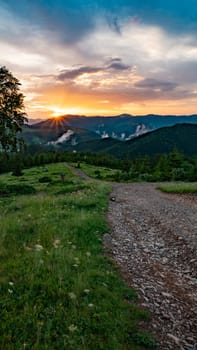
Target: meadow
x,y
58,288
182,187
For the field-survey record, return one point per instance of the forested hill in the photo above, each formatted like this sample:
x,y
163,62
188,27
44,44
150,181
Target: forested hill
x,y
75,129
181,136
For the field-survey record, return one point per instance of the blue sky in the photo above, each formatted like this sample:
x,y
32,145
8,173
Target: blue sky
x,y
102,57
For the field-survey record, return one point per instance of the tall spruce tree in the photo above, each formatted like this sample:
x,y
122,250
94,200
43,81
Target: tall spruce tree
x,y
12,114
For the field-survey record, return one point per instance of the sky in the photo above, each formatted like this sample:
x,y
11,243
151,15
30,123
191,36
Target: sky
x,y
102,57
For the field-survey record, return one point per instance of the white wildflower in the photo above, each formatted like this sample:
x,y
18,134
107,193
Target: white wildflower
x,y
86,291
10,291
72,328
11,283
90,305
72,295
27,248
56,243
38,247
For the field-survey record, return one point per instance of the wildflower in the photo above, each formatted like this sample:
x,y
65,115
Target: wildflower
x,y
90,305
38,247
56,243
11,283
75,265
27,248
86,291
10,291
72,295
72,328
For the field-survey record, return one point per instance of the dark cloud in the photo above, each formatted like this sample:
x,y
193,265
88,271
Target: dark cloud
x,y
74,73
154,84
183,72
69,74
69,20
118,66
72,20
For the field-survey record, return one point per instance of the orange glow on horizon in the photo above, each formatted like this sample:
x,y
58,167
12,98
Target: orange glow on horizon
x,y
56,112
59,101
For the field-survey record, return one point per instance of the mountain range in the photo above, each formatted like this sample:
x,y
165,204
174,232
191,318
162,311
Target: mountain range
x,y
117,135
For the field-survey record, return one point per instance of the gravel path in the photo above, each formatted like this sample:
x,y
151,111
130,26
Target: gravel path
x,y
154,241
79,173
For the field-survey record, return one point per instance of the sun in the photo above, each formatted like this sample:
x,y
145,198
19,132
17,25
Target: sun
x,y
58,111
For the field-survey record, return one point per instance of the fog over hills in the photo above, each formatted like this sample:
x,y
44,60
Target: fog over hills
x,y
122,127
119,136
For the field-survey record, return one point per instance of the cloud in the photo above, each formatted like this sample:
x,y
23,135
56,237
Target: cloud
x,y
118,66
122,51
74,73
114,64
70,21
153,84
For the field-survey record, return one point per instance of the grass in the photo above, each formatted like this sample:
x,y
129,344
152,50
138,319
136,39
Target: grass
x,y
58,290
179,188
98,172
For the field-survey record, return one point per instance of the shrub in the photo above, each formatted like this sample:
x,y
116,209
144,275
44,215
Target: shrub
x,y
98,174
3,189
21,189
45,179
6,190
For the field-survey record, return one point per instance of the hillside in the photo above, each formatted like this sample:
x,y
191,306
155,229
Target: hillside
x,y
57,134
183,137
123,127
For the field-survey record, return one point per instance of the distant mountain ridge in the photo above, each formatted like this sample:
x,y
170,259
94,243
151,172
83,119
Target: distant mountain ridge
x,y
121,136
180,136
122,127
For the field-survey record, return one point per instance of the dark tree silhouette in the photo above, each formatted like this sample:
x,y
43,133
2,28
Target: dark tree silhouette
x,y
12,114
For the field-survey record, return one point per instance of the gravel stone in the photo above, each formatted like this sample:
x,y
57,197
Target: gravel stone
x,y
154,241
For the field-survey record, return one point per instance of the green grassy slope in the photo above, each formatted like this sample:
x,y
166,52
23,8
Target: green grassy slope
x,y
58,290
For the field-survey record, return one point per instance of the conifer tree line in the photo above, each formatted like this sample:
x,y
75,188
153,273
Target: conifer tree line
x,y
166,167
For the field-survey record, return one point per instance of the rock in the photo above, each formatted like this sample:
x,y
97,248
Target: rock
x,y
168,295
153,240
173,337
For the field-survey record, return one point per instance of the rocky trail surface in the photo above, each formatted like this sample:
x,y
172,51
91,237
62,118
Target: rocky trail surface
x,y
154,241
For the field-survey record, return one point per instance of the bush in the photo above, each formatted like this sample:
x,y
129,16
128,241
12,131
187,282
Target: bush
x,y
6,190
45,179
3,189
98,174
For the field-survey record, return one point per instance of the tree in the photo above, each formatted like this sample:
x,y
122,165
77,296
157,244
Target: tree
x,y
12,114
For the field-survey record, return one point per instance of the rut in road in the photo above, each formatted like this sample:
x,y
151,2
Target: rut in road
x,y
154,241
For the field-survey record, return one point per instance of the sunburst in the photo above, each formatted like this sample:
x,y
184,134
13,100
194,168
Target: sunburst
x,y
58,111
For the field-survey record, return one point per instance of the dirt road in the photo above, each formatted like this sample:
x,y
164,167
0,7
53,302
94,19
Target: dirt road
x,y
154,240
